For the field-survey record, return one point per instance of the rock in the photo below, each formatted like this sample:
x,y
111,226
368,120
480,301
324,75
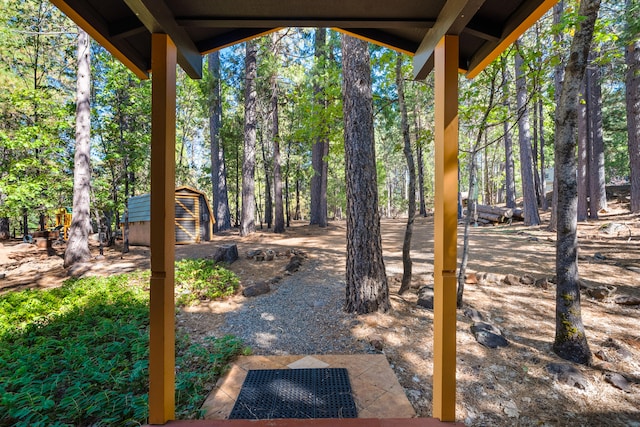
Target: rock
x,y
527,279
294,263
542,283
269,255
256,289
599,257
473,314
425,297
613,228
471,279
511,409
567,374
511,279
489,278
414,394
377,342
488,335
2,275
226,253
253,253
626,300
617,381
601,292
620,350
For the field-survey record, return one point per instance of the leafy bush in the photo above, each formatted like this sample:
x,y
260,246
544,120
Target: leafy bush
x,y
203,279
78,355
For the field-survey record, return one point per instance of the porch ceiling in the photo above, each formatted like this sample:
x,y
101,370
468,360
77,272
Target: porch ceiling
x,y
197,27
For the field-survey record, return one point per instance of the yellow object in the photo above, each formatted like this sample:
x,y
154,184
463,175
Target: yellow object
x,y
63,222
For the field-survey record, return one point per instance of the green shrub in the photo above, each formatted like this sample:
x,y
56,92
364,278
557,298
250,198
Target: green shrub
x,y
78,355
203,279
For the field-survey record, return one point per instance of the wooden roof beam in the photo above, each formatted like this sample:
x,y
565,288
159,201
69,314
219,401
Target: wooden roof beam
x,y
232,37
453,17
98,30
381,38
301,22
158,18
518,23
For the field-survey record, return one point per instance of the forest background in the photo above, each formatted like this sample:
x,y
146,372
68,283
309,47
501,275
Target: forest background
x,y
506,117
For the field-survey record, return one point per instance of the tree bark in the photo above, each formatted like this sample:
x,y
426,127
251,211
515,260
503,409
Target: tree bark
x,y
268,200
408,154
78,243
558,77
248,221
510,181
583,158
420,161
570,340
543,184
4,228
320,150
597,183
218,169
366,282
278,223
632,56
531,216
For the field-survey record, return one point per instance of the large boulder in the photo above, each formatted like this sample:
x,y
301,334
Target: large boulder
x,y
488,335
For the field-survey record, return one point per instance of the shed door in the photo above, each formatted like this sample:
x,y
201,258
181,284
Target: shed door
x,y
187,219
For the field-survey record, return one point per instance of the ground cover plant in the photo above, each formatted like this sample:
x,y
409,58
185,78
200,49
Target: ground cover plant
x,y
78,355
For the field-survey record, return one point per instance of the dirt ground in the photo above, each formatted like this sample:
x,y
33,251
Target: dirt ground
x,y
504,386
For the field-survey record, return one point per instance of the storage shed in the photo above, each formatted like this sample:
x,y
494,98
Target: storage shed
x,y
194,218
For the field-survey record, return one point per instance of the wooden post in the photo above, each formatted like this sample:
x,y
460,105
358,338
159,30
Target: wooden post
x,y
162,308
446,228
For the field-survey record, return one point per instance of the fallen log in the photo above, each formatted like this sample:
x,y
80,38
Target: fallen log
x,y
518,214
495,210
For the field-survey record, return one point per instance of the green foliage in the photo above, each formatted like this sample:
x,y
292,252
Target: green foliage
x,y
203,279
78,355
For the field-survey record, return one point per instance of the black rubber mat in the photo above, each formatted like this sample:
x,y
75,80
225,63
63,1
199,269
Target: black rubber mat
x,y
295,393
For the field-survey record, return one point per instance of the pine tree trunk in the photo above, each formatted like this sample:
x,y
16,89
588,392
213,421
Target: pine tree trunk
x,y
570,340
510,180
4,228
420,161
320,150
583,158
597,183
78,243
248,221
543,184
531,216
632,56
408,154
558,77
268,200
366,288
218,169
278,224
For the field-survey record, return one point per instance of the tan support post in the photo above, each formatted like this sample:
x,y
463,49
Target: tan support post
x,y
446,228
163,235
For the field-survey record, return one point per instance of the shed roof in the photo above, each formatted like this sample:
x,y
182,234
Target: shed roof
x,y
197,27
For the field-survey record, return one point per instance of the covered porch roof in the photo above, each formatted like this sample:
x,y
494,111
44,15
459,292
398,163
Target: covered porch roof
x,y
484,27
448,36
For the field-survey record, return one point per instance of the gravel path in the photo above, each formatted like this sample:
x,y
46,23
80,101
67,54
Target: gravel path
x,y
301,315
